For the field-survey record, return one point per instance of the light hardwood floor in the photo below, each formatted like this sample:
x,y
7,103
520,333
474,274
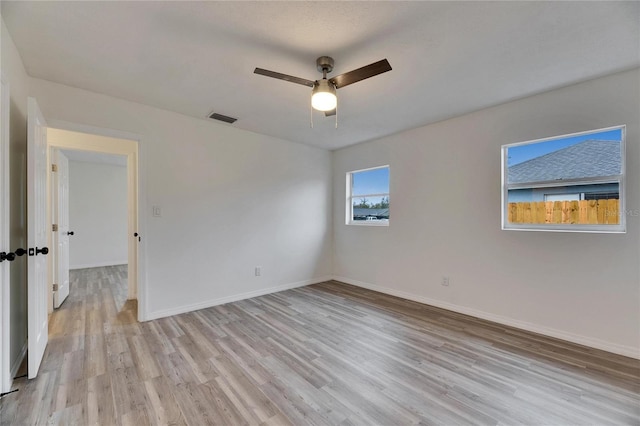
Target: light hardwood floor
x,y
323,354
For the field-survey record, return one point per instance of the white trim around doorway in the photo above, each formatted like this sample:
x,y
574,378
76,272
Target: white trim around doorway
x,y
137,198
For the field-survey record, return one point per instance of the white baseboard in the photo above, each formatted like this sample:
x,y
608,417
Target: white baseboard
x,y
615,348
99,264
18,362
232,298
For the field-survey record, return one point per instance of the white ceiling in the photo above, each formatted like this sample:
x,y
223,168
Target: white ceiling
x,y
448,58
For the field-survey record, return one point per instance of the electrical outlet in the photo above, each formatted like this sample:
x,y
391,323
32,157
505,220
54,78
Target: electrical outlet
x,y
258,271
445,281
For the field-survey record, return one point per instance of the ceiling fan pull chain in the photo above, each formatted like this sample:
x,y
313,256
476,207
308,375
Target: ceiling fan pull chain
x,y
336,116
311,115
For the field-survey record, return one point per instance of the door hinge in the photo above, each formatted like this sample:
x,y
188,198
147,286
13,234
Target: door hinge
x,y
54,167
55,287
54,227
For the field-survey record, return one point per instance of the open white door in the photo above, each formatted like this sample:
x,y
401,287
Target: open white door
x,y
38,321
61,218
5,330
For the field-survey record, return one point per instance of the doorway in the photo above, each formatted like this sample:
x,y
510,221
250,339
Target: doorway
x,y
85,148
89,215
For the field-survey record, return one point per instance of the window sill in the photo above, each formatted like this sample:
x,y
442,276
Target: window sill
x,y
600,229
369,223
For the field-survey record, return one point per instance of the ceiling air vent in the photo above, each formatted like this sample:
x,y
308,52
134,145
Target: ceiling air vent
x,y
221,117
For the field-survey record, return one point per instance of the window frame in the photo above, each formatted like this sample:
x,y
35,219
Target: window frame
x,y
620,179
350,197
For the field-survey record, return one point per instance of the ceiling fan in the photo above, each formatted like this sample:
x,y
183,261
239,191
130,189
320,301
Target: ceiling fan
x,y
323,95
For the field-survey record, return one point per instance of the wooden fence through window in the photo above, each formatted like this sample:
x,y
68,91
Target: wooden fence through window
x,y
587,212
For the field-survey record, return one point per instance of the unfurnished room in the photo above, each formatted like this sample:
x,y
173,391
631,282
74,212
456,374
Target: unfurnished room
x,y
320,213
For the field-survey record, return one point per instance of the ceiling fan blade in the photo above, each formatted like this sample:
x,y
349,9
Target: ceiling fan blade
x,y
285,77
330,113
361,73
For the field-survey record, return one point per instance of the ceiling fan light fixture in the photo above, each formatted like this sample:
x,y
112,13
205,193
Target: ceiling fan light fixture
x,y
323,96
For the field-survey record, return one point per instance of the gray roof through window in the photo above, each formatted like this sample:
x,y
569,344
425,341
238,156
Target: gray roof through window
x,y
591,158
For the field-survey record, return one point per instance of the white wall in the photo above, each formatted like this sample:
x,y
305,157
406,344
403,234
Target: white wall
x,y
445,220
14,72
231,200
97,214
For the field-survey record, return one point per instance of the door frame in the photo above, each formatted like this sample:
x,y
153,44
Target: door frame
x,y
56,190
6,379
137,285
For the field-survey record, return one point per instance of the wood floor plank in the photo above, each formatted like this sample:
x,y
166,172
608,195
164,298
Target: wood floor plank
x,y
326,354
100,409
164,407
249,394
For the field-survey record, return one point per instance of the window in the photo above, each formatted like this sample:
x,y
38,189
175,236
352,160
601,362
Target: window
x,y
368,197
566,183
